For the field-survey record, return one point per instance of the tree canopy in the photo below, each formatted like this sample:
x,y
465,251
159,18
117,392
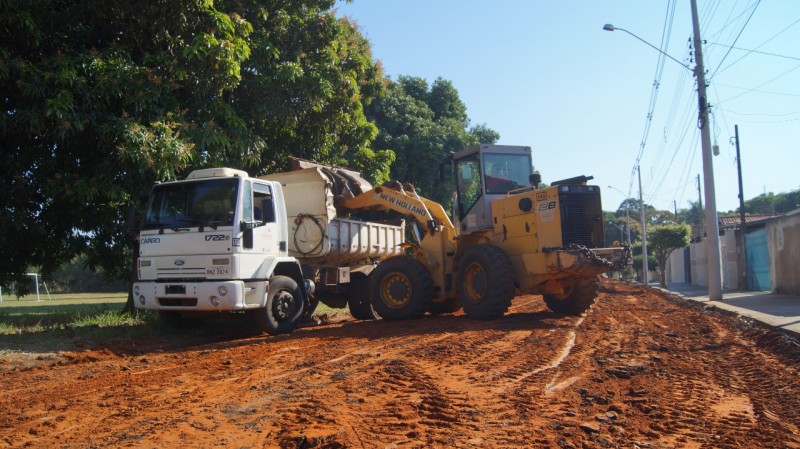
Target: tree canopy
x,y
423,123
773,203
662,240
102,99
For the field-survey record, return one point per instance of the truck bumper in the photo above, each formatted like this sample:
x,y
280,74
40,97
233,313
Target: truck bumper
x,y
198,296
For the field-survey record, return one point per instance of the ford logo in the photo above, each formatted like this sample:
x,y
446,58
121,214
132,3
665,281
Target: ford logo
x,y
179,262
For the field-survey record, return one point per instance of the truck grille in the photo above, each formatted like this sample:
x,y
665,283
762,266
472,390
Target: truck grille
x,y
181,273
581,216
177,302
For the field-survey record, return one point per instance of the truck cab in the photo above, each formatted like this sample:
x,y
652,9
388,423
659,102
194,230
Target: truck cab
x,y
217,242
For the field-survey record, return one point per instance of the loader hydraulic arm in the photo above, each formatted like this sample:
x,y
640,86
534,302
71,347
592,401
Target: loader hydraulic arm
x,y
403,198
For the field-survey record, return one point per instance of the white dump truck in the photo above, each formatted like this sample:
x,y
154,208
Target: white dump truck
x,y
222,242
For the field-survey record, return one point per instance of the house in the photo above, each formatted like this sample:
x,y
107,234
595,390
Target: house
x,y
765,259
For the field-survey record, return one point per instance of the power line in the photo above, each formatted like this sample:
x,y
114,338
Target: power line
x,y
785,94
665,35
756,51
759,46
762,84
766,115
688,118
755,7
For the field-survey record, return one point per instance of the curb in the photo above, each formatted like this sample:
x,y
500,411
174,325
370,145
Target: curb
x,y
747,320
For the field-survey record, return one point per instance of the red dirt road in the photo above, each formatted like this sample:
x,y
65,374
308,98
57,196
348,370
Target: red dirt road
x,y
638,370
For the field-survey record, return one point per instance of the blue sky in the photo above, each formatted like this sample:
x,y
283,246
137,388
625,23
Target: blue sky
x,y
546,75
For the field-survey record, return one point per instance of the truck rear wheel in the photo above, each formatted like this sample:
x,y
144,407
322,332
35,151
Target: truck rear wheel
x,y
284,307
358,298
401,288
576,299
485,282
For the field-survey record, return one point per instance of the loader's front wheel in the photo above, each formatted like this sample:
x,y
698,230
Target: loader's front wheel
x,y
401,288
485,282
576,299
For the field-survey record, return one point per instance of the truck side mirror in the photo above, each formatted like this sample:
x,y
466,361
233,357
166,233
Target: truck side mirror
x,y
535,179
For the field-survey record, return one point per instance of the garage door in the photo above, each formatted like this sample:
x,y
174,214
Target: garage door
x,y
757,260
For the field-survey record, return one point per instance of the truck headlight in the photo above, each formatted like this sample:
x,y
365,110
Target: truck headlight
x,y
222,290
214,301
137,291
141,300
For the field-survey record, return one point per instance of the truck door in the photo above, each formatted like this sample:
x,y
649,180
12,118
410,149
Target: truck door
x,y
266,233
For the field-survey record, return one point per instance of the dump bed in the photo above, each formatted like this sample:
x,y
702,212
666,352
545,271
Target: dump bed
x,y
318,236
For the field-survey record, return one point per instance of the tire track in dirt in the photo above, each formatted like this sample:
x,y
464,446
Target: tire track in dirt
x,y
637,369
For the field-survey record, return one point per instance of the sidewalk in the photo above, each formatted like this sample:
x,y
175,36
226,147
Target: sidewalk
x,y
776,310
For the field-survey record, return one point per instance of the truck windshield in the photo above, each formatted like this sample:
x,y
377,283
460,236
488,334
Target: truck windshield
x,y
505,172
191,204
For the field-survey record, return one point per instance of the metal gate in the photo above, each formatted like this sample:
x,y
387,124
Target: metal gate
x,y
757,260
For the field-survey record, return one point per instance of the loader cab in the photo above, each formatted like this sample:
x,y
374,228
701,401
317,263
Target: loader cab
x,y
482,174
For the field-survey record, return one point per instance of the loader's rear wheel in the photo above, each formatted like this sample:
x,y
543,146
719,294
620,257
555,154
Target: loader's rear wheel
x,y
401,288
576,299
485,282
358,298
284,308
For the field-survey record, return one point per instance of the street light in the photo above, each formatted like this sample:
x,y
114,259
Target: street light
x,y
627,208
609,27
712,225
621,229
643,223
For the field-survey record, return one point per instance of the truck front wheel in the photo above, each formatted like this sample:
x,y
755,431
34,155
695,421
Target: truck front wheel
x,y
485,282
401,288
576,299
284,307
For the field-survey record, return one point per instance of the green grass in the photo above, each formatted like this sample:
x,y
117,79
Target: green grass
x,y
51,325
63,311
63,298
56,324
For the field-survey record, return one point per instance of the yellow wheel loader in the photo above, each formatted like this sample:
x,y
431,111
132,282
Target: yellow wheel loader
x,y
509,237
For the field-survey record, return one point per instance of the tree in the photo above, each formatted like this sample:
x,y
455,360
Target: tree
x,y
629,204
484,134
304,89
614,229
98,102
101,99
422,124
694,215
771,203
660,217
662,240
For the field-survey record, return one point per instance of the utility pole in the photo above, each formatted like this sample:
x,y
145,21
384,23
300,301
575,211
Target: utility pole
x,y
628,222
675,206
743,222
645,268
700,202
712,224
